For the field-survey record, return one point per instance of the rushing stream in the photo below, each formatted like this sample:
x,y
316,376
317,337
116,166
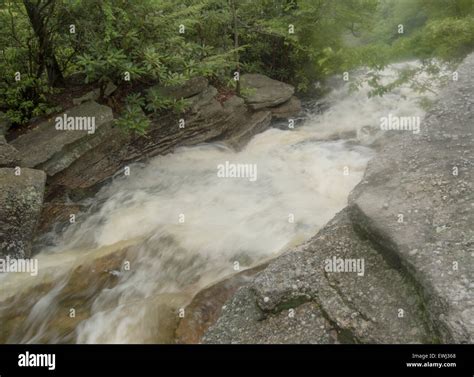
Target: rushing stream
x,y
173,226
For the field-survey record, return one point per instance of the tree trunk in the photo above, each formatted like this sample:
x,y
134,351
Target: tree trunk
x,y
37,12
236,44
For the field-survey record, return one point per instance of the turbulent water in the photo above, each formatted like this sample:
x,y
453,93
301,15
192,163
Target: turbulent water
x,y
173,226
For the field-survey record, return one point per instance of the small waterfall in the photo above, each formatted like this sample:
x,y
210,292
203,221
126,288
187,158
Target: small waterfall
x,y
153,239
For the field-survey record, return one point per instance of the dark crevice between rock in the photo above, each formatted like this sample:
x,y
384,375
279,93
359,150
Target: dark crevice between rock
x,y
388,249
345,336
343,297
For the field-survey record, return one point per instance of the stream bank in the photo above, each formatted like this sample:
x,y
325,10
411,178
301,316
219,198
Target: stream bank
x,y
411,221
78,163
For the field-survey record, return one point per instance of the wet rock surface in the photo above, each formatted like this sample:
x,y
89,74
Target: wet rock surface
x,y
207,305
290,108
76,291
410,220
257,122
296,300
21,198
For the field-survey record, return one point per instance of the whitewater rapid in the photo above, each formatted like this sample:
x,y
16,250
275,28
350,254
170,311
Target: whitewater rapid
x,y
177,226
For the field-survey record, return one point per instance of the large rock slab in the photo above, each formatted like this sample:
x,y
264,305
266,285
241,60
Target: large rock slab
x,y
21,199
416,202
53,150
295,300
261,91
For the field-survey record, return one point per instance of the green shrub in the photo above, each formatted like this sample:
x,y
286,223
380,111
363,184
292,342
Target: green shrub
x,y
157,102
133,119
25,99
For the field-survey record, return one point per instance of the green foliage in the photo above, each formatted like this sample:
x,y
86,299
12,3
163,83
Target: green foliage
x,y
157,102
432,28
108,65
25,99
447,38
166,42
133,119
437,32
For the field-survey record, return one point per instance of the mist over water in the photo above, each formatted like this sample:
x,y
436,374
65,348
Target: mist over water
x,y
226,220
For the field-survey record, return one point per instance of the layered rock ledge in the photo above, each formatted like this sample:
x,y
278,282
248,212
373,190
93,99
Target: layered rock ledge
x,y
410,220
81,149
206,120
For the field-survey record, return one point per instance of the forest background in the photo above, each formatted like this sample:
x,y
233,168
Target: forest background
x,y
48,47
